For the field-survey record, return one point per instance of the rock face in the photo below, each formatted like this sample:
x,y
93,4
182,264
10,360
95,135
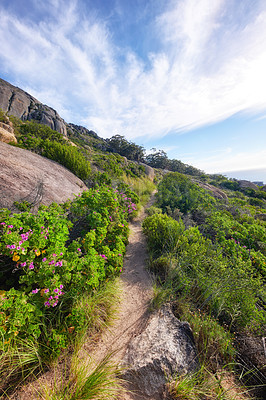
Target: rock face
x,y
7,133
149,171
16,102
247,184
164,348
216,192
28,176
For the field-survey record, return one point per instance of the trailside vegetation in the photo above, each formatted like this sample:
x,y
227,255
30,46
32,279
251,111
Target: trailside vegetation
x,y
51,267
209,256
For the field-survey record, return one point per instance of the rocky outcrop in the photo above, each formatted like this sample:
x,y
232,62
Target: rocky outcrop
x,y
28,176
7,131
216,192
149,171
81,130
247,184
262,217
15,101
164,348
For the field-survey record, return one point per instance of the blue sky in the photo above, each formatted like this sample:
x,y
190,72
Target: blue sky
x,y
184,76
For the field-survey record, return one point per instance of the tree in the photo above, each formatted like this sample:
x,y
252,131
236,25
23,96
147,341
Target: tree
x,y
119,144
157,159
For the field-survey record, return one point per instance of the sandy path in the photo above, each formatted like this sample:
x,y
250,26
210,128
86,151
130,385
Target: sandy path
x,y
135,299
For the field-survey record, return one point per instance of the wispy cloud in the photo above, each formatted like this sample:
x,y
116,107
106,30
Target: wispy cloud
x,y
206,69
226,160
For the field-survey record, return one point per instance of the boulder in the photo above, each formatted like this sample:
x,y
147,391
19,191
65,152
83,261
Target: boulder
x,y
247,184
262,217
149,171
7,132
26,176
166,347
15,101
216,192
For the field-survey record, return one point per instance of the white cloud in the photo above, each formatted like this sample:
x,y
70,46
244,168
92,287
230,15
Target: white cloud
x,y
204,71
228,161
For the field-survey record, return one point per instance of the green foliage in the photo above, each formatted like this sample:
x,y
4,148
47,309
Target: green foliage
x,y
86,381
60,273
163,233
118,144
177,191
51,144
69,156
153,210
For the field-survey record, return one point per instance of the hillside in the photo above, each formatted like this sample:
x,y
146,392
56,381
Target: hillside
x,y
69,202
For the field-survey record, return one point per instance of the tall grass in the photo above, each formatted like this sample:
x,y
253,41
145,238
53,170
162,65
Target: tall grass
x,y
95,312
143,187
83,381
17,362
204,385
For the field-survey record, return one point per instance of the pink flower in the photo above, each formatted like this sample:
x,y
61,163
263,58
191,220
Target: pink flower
x,y
31,266
79,249
44,259
23,264
46,290
35,291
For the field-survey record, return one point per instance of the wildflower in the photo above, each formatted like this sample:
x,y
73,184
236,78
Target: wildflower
x,y
47,304
54,255
31,266
15,257
79,249
35,291
61,286
2,223
46,290
10,226
44,259
23,264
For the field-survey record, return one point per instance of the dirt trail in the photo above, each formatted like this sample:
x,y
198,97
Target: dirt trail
x,y
135,299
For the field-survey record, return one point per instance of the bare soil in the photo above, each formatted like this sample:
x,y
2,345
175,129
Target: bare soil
x,y
135,300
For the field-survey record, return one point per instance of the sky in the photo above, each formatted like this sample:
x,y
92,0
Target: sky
x,y
184,76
